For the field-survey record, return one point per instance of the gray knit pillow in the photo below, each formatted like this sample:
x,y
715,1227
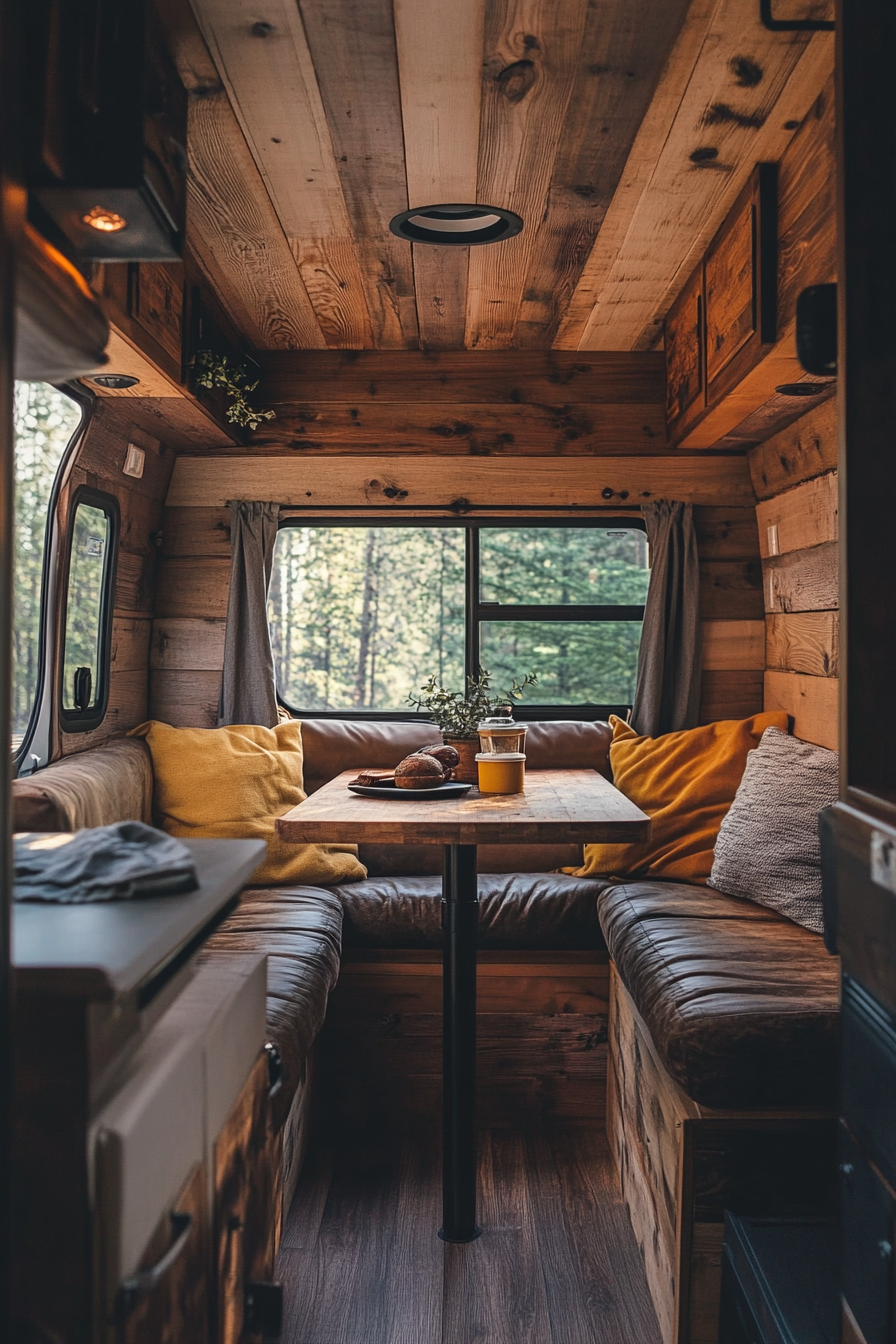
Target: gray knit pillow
x,y
768,850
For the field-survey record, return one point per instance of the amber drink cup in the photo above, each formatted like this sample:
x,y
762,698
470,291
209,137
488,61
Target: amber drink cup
x,y
502,771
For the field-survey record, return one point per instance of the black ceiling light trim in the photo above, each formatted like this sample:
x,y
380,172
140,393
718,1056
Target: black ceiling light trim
x,y
803,389
116,381
456,225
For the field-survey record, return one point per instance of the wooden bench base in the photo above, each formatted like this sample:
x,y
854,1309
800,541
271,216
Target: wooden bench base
x,y
681,1165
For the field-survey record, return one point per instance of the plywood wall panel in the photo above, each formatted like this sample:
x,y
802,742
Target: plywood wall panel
x,y
180,645
730,645
799,518
185,699
812,702
730,694
726,534
195,532
804,642
730,589
196,588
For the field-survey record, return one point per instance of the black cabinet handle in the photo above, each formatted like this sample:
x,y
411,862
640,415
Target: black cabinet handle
x,y
264,1309
275,1069
131,1290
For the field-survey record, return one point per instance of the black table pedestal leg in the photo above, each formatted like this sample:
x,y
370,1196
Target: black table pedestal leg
x,y
460,917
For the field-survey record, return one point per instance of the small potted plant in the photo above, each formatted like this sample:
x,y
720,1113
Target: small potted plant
x,y
458,714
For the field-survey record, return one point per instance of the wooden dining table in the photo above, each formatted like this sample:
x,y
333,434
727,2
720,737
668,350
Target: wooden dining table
x,y
557,806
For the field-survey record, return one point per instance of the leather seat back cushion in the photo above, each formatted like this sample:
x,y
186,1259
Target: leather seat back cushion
x,y
300,930
98,787
547,911
742,1004
333,745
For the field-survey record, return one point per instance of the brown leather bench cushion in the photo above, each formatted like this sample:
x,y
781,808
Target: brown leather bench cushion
x,y
516,910
300,930
741,1004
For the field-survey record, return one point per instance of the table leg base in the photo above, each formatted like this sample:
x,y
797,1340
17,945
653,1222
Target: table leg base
x,y
459,1240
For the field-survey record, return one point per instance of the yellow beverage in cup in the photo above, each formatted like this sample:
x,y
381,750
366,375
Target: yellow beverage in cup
x,y
502,772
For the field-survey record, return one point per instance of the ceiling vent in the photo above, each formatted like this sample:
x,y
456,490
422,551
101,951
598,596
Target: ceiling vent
x,y
456,225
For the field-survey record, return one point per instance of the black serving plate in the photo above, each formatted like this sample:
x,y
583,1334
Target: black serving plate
x,y
392,791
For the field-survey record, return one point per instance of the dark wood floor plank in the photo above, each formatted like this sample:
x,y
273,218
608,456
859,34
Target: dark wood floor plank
x,y
557,1262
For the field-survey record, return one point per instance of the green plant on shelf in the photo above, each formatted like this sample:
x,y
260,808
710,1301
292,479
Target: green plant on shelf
x,y
232,377
458,713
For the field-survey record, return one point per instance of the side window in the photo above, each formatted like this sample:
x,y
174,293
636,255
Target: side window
x,y
46,421
87,628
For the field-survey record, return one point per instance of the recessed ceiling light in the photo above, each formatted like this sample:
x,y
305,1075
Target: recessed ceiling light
x,y
456,225
803,389
106,221
117,382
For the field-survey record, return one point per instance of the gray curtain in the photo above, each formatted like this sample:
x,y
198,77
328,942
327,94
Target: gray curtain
x,y
667,692
248,687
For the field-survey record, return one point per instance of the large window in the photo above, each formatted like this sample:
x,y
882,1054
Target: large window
x,y
45,421
362,615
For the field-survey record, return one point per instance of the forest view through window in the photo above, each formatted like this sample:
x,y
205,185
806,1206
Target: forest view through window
x,y
45,420
361,616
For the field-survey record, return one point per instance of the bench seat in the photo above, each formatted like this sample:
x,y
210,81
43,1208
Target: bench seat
x,y
742,1005
546,911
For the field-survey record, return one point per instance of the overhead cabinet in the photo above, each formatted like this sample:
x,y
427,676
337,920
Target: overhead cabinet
x,y
724,322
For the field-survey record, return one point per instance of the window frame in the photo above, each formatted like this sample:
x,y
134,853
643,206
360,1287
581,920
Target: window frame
x,y
473,608
41,709
76,720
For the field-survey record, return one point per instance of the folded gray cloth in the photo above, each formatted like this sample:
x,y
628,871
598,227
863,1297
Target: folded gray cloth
x,y
104,863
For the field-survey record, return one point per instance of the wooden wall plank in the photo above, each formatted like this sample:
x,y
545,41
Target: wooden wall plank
x,y
514,377
802,517
708,112
196,589
731,589
529,67
182,645
730,694
624,49
806,641
185,699
457,483
726,534
198,531
803,450
473,428
440,62
730,645
352,43
813,703
803,580
273,89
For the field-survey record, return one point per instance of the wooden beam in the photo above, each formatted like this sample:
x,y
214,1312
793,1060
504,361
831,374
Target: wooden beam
x,y
539,378
267,70
625,47
803,450
805,516
729,646
440,73
731,96
232,229
528,72
801,581
473,428
456,485
806,641
812,702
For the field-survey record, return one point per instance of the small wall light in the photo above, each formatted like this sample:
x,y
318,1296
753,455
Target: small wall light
x,y
456,225
116,382
105,221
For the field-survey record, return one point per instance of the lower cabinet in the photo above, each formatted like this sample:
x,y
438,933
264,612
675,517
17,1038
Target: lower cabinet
x,y
247,1197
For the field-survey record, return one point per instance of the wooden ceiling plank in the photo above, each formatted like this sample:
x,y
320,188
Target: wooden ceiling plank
x,y
232,229
526,377
530,61
457,484
440,74
353,47
744,95
265,65
626,46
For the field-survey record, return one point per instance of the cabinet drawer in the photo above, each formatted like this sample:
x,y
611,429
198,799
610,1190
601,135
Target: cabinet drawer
x,y
867,1208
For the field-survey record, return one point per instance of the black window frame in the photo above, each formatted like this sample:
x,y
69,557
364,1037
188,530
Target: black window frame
x,y
76,720
474,607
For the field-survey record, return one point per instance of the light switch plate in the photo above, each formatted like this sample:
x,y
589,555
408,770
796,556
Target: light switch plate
x,y
134,461
772,532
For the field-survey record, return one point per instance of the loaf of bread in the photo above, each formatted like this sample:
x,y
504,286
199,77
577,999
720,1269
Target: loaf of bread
x,y
448,757
419,772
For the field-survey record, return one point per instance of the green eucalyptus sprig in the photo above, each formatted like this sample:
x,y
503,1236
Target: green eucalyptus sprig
x,y
459,713
233,378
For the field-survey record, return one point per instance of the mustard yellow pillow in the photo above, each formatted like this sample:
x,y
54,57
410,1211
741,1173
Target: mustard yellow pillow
x,y
233,783
686,783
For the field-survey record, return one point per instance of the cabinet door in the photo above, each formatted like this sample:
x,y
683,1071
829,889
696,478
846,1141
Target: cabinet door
x,y
685,397
867,1211
168,1300
247,1203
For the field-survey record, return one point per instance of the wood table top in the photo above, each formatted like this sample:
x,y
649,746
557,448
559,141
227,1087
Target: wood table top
x,y
558,805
